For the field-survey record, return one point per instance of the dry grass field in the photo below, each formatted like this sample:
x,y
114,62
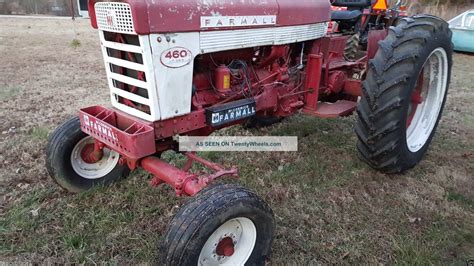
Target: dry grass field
x,y
329,206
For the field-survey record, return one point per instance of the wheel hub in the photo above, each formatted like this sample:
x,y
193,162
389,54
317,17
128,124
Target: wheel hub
x,y
90,162
91,155
230,244
225,247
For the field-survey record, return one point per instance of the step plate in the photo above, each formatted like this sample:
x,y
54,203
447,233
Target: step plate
x,y
332,110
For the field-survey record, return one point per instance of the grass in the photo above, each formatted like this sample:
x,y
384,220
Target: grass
x,y
8,92
75,43
83,225
329,207
462,199
39,133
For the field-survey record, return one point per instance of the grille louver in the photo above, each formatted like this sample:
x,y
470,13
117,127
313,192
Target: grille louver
x,y
114,17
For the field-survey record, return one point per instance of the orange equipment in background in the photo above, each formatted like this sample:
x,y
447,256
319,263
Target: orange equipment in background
x,y
380,5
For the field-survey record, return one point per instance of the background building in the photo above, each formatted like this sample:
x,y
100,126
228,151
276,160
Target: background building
x,y
82,8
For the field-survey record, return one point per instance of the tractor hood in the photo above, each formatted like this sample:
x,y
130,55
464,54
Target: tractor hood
x,y
160,16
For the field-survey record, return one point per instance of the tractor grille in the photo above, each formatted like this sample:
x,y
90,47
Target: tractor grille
x,y
115,17
130,74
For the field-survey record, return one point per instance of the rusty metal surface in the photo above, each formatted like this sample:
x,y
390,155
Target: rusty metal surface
x,y
182,180
160,16
128,136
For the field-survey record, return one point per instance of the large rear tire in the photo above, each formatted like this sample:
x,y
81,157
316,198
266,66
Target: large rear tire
x,y
404,94
352,47
224,224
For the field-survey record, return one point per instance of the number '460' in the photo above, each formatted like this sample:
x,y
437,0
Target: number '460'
x,y
176,54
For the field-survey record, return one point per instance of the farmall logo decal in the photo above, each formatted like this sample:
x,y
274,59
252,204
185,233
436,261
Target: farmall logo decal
x,y
233,114
110,17
236,21
99,127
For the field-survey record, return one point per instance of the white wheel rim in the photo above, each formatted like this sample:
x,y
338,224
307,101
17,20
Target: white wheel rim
x,y
244,235
93,170
435,79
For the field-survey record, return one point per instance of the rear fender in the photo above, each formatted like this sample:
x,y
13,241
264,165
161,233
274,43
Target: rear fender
x,y
373,41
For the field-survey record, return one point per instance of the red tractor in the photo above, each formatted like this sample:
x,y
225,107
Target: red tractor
x,y
183,68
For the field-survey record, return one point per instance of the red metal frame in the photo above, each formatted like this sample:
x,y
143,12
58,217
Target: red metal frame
x,y
184,182
313,81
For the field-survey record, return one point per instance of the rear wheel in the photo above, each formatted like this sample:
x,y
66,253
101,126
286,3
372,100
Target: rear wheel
x,y
352,47
404,94
222,225
71,162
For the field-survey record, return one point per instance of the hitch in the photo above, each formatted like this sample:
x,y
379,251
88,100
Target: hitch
x,y
183,181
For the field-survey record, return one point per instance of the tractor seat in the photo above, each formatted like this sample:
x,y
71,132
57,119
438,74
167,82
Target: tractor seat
x,y
353,12
346,15
352,3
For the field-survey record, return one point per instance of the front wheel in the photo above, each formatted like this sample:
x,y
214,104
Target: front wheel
x,y
404,94
70,164
222,225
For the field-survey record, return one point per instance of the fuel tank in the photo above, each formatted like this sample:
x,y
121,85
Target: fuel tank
x,y
162,16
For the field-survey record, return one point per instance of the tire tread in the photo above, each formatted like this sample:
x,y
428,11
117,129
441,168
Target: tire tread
x,y
390,73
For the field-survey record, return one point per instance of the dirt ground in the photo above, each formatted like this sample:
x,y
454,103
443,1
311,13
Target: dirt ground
x,y
329,206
